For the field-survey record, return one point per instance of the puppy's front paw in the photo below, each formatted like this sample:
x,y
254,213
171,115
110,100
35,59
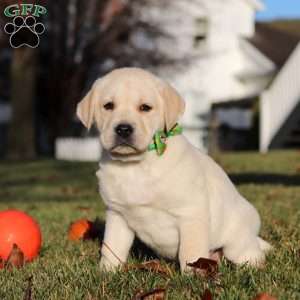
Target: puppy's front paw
x,y
187,270
107,266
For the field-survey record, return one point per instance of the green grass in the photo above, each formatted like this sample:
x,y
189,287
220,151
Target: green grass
x,y
54,192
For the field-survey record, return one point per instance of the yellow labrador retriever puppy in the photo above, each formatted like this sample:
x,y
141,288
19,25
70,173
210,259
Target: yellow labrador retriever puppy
x,y
155,184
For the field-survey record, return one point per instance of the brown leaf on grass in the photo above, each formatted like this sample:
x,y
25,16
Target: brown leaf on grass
x,y
16,258
216,255
205,267
28,291
264,296
207,295
151,266
156,294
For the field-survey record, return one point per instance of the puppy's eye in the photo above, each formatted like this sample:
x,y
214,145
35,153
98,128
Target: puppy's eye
x,y
145,107
109,106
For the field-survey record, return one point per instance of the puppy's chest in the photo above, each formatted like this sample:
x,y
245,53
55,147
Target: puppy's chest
x,y
143,202
127,188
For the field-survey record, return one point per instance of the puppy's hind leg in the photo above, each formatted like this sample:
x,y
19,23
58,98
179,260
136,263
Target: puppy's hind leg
x,y
245,250
193,243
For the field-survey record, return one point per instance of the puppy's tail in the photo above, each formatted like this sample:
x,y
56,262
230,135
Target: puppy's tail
x,y
264,246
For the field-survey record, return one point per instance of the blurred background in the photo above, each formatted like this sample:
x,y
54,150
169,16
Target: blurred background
x,y
235,62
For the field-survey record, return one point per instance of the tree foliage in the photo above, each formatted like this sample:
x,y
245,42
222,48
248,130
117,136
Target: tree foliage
x,y
83,40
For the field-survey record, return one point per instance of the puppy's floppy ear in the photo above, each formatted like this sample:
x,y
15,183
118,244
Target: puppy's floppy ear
x,y
174,105
86,108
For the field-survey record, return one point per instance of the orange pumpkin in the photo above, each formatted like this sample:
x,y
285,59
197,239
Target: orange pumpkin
x,y
17,227
80,229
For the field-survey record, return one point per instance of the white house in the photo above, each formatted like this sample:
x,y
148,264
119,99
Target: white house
x,y
216,62
216,59
280,107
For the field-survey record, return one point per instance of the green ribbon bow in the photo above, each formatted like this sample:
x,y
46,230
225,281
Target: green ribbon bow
x,y
160,137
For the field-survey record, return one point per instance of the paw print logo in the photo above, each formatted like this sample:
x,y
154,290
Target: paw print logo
x,y
24,32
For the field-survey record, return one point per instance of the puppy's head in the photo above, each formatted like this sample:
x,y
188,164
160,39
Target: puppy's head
x,y
128,106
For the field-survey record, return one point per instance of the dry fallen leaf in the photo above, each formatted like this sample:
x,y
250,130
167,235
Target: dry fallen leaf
x,y
216,255
264,296
28,291
156,294
152,266
16,258
207,295
205,267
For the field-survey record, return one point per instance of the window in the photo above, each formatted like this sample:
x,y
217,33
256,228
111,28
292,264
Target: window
x,y
201,31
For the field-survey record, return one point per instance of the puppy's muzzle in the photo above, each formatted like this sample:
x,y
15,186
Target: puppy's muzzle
x,y
124,143
124,130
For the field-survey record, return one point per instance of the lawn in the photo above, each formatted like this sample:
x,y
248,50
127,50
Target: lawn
x,y
57,193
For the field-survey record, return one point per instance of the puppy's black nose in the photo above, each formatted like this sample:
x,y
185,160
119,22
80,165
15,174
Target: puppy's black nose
x,y
124,130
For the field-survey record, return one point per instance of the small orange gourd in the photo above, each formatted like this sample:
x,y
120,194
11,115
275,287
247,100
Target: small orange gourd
x,y
80,229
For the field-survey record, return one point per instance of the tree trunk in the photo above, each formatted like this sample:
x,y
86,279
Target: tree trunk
x,y
21,134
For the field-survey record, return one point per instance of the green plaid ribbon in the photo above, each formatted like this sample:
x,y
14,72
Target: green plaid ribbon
x,y
160,137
